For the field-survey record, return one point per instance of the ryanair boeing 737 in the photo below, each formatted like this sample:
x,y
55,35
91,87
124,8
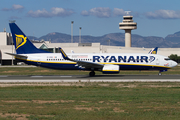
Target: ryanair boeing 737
x,y
105,62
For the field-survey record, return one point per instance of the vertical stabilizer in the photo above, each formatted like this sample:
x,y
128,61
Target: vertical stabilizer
x,y
153,51
22,44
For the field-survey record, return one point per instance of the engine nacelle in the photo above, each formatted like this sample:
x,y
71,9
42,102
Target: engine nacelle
x,y
111,69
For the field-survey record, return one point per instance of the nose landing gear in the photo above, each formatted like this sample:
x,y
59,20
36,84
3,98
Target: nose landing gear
x,y
159,73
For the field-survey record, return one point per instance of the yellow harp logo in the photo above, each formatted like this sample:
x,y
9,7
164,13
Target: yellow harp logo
x,y
20,40
154,52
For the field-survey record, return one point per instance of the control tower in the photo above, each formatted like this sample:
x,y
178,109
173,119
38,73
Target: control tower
x,y
128,25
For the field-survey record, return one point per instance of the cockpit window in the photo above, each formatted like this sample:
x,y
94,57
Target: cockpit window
x,y
167,59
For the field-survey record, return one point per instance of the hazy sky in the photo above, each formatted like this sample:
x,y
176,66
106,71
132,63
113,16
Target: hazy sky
x,y
96,17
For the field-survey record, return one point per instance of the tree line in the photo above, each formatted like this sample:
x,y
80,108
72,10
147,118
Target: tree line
x,y
175,57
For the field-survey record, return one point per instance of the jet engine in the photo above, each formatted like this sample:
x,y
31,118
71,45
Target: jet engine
x,y
111,69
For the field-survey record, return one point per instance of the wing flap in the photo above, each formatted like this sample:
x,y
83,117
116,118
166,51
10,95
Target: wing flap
x,y
89,64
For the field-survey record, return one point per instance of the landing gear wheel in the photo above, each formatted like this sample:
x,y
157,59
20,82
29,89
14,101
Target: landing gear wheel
x,y
159,74
92,73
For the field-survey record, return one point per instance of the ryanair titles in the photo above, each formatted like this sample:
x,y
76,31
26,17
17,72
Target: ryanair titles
x,y
123,59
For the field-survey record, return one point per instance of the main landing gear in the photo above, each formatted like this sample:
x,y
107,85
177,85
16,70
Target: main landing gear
x,y
92,73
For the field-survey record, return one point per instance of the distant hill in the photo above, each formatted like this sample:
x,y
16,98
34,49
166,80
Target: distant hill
x,y
117,39
174,39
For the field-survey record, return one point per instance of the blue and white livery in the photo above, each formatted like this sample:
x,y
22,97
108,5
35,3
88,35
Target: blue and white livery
x,y
105,62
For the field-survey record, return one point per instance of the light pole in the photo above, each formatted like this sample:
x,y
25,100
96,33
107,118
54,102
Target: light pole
x,y
80,34
12,52
108,41
72,31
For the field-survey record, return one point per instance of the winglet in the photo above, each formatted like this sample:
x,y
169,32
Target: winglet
x,y
64,54
153,51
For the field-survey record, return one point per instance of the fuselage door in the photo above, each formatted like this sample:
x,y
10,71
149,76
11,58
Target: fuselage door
x,y
157,60
39,62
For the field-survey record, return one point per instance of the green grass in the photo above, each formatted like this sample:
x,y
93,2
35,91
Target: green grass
x,y
126,101
79,101
44,71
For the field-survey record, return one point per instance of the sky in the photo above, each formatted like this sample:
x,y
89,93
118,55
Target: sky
x,y
95,17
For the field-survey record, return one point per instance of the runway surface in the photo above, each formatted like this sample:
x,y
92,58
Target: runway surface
x,y
97,78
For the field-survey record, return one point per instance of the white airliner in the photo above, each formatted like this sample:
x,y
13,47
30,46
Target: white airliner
x,y
105,62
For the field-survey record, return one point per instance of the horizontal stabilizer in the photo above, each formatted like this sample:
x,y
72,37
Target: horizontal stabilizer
x,y
17,55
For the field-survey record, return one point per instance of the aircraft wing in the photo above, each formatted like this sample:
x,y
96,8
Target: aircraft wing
x,y
89,64
17,55
85,64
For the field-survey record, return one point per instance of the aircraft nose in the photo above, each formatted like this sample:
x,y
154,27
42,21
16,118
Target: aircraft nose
x,y
174,63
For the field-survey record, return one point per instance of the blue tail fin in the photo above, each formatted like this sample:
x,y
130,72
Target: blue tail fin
x,y
153,51
22,44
